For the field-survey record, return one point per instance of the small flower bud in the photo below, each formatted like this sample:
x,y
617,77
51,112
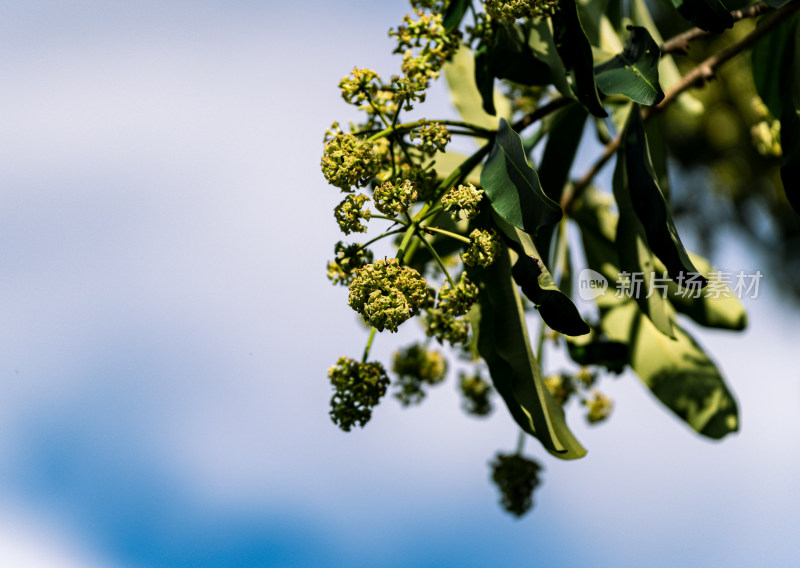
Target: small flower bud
x,y
560,386
599,407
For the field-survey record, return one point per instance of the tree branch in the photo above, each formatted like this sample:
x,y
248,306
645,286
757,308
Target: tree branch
x,y
680,42
697,77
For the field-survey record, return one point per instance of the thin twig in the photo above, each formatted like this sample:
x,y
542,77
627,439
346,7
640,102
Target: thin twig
x,y
680,43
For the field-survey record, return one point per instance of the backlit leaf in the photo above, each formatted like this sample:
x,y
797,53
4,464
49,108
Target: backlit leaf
x,y
634,72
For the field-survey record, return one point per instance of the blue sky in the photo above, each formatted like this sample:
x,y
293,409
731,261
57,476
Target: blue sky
x,y
167,326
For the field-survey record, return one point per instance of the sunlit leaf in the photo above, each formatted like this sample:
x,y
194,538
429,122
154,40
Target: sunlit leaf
x,y
498,320
512,186
464,93
677,371
634,72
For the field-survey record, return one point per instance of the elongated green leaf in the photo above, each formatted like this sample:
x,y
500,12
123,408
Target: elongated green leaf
x,y
454,14
770,83
709,15
639,188
790,126
530,272
715,307
678,372
543,47
464,93
499,322
484,80
512,58
576,53
560,149
668,72
512,186
593,350
634,72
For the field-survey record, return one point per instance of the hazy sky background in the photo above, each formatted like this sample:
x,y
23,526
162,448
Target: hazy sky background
x,y
166,328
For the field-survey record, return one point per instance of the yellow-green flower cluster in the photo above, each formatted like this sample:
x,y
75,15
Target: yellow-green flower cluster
x,y
445,327
767,138
516,477
425,46
348,214
599,407
462,201
433,137
360,86
415,367
358,387
348,259
483,247
387,294
509,10
475,392
391,199
349,161
458,301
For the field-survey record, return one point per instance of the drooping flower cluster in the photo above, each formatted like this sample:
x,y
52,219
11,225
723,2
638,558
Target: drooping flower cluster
x,y
391,199
358,387
387,294
483,246
416,367
462,201
516,477
348,259
348,213
349,161
475,392
509,10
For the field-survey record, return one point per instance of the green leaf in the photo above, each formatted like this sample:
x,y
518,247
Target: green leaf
x,y
512,58
770,83
716,308
530,272
454,14
512,186
543,47
668,71
560,149
678,372
634,72
484,80
594,350
464,93
498,320
790,126
576,53
638,188
709,15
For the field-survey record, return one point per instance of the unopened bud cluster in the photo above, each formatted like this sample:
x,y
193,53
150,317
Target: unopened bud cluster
x,y
475,392
509,10
348,259
393,199
358,388
349,161
483,247
349,213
